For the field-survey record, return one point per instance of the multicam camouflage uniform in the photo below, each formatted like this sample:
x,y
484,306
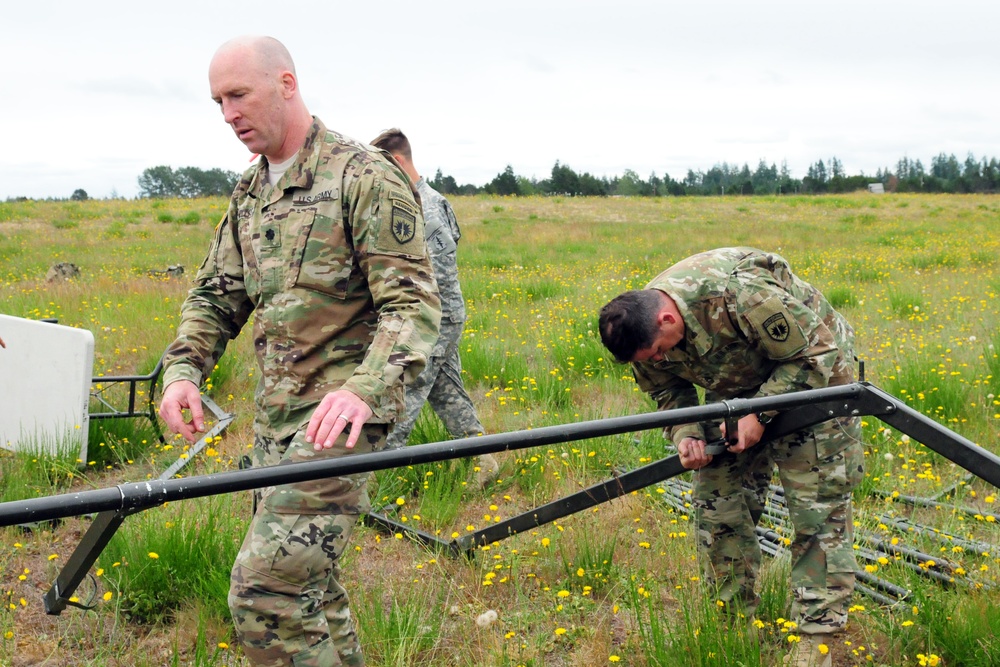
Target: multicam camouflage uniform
x,y
331,261
752,328
441,380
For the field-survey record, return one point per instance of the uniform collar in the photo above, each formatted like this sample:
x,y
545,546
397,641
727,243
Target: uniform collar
x,y
696,339
300,174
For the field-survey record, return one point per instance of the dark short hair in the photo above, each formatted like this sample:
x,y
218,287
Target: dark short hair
x,y
628,323
394,141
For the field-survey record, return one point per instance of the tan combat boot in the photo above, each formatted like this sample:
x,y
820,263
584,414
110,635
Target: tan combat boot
x,y
811,651
488,470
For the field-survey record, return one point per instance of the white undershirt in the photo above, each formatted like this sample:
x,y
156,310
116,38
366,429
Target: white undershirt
x,y
276,171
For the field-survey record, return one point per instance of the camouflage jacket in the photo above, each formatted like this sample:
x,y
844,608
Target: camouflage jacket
x,y
332,264
442,232
752,328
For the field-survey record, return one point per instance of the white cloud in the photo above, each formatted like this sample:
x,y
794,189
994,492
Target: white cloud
x,y
100,92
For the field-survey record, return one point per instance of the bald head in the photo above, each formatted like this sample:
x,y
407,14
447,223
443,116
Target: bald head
x,y
265,54
254,83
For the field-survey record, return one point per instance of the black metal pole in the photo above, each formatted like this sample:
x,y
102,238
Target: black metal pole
x,y
137,495
984,464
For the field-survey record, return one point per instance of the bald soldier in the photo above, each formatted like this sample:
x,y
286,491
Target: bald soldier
x,y
738,323
323,244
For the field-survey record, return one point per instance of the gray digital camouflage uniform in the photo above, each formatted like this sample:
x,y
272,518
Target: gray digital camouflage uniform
x,y
332,264
440,382
752,328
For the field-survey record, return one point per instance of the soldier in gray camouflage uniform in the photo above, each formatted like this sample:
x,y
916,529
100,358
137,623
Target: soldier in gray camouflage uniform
x,y
441,380
323,244
738,323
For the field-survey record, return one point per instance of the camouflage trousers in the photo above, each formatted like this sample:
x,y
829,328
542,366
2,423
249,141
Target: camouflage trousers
x,y
818,468
440,383
287,603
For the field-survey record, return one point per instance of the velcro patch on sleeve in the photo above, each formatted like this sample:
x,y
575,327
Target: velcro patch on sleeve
x,y
401,230
779,334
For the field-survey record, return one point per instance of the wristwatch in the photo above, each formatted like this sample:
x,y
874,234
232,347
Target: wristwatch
x,y
763,418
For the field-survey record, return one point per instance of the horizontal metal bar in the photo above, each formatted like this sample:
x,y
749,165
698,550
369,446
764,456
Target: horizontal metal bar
x,y
156,492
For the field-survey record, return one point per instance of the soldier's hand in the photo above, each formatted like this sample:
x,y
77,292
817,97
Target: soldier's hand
x,y
750,433
177,397
334,413
692,453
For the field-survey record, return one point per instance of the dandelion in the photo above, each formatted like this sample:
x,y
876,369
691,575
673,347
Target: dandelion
x,y
487,618
560,631
108,596
223,645
154,555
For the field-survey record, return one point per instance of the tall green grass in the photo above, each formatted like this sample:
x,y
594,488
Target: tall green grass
x,y
163,558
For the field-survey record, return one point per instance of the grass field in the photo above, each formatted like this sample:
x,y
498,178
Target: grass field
x,y
917,275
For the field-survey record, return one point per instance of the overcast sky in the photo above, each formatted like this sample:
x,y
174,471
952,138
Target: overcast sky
x,y
99,91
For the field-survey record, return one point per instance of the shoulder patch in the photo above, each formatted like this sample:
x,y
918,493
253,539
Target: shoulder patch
x,y
401,226
778,332
404,224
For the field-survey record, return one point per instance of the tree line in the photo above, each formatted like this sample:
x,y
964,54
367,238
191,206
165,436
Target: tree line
x,y
186,182
946,174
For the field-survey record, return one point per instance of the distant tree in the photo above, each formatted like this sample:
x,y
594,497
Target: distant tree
x,y
526,186
564,181
816,178
693,180
764,178
654,185
591,186
504,184
157,182
629,185
79,195
836,168
446,185
188,182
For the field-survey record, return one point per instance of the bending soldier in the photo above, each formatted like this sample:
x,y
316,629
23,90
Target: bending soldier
x,y
738,323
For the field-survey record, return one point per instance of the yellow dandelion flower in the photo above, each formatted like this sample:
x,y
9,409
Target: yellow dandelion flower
x,y
154,555
560,631
108,596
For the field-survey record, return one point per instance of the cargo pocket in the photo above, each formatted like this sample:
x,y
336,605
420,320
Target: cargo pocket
x,y
323,258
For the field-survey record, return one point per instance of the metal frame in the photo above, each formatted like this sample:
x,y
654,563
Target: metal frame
x,y
113,411
797,410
